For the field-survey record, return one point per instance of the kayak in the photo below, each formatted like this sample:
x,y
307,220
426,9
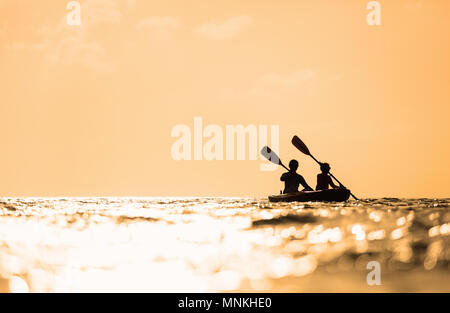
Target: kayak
x,y
337,195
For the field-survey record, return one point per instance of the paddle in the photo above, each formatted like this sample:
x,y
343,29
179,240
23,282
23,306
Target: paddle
x,y
272,156
300,145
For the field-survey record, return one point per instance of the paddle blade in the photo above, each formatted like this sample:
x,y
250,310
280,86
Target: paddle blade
x,y
270,155
300,145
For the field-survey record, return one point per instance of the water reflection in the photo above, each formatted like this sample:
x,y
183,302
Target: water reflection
x,y
221,244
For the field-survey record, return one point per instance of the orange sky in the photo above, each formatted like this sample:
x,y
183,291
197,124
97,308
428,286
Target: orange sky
x,y
88,110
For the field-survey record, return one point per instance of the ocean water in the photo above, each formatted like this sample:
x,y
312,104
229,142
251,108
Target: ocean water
x,y
223,244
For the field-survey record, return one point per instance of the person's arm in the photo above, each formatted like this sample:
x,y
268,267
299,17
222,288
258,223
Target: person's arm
x,y
332,184
304,184
284,177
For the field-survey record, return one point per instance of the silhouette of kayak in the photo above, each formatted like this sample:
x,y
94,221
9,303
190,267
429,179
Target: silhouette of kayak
x,y
337,195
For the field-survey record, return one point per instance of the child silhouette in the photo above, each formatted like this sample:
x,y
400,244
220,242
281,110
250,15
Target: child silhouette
x,y
323,179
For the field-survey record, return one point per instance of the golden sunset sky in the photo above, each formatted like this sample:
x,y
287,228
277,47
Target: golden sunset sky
x,y
88,110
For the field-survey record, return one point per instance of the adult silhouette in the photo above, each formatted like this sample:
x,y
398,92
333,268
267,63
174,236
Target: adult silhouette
x,y
292,180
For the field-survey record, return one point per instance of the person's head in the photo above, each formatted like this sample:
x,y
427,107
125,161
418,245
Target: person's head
x,y
293,165
325,168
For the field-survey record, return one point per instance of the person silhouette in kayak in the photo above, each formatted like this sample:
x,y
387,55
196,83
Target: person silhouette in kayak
x,y
323,179
292,179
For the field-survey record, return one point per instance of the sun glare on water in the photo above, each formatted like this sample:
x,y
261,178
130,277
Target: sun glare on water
x,y
216,244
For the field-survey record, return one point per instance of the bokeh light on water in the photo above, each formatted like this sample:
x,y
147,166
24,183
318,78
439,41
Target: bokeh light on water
x,y
222,244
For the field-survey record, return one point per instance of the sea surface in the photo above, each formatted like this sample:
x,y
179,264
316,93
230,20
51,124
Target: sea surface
x,y
223,244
